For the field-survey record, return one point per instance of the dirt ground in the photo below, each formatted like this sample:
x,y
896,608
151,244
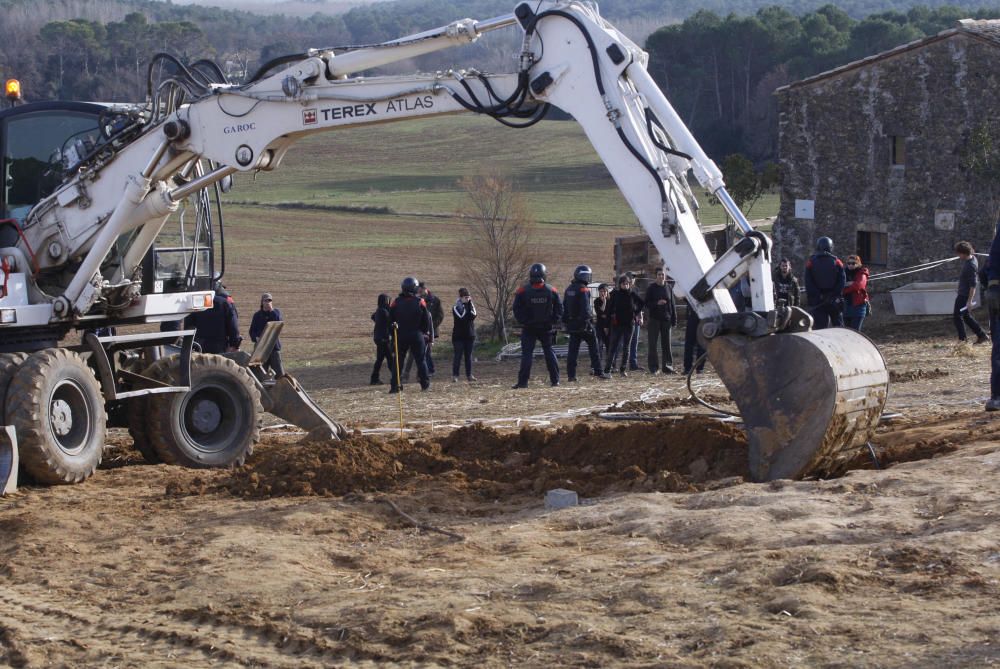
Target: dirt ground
x,y
437,550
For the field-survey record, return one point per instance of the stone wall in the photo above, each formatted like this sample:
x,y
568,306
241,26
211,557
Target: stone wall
x,y
836,142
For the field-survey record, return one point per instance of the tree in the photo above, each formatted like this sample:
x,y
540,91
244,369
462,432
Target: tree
x,y
980,159
744,183
500,244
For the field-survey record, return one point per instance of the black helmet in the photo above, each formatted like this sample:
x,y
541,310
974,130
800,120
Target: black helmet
x,y
410,285
583,274
824,245
537,272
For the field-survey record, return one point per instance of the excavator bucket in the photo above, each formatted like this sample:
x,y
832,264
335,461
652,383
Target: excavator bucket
x,y
809,400
284,397
8,460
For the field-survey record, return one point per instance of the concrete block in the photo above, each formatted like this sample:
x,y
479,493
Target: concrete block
x,y
560,498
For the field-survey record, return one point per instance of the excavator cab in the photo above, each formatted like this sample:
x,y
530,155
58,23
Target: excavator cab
x,y
42,143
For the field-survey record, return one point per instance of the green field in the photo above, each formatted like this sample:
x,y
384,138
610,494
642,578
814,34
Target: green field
x,y
414,168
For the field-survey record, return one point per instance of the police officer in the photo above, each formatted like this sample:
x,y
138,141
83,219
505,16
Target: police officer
x,y
993,302
578,315
537,308
825,281
413,328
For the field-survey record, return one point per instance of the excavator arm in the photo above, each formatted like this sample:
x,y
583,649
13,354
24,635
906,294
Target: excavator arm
x,y
570,58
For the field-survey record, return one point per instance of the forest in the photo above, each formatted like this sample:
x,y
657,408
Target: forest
x,y
719,70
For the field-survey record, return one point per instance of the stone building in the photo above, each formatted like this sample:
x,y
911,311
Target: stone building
x,y
871,152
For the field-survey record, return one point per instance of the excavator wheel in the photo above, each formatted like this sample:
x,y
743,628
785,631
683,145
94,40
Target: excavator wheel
x,y
55,403
138,413
215,424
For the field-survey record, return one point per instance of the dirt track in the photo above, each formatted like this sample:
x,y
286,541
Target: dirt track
x,y
299,559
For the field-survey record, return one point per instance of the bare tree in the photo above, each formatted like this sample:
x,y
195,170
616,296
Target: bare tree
x,y
500,244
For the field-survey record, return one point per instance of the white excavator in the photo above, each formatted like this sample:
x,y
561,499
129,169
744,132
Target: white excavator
x,y
112,218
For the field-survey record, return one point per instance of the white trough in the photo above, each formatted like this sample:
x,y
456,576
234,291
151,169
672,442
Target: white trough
x,y
927,298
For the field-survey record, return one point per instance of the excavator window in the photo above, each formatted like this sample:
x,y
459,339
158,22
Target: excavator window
x,y
38,148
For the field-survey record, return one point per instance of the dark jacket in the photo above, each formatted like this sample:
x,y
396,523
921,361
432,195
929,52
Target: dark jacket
x,y
578,312
825,279
217,328
661,312
465,320
433,303
260,321
786,288
410,314
967,278
602,314
993,273
537,307
381,317
624,307
856,290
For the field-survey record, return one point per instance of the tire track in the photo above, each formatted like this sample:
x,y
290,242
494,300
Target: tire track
x,y
36,624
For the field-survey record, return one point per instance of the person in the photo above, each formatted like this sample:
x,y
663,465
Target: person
x,y
463,334
537,308
967,277
855,293
633,347
217,329
265,315
992,290
433,303
578,315
625,308
692,348
825,281
380,335
413,328
603,319
786,284
662,316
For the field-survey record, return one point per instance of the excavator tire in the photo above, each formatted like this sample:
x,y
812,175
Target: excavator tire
x,y
215,424
55,403
138,413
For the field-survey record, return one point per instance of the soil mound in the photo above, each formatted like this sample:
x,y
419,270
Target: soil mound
x,y
668,455
665,403
916,375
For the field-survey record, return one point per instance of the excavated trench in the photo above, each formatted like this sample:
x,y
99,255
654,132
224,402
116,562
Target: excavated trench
x,y
683,454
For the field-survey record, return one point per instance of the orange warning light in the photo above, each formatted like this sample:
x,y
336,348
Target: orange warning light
x,y
13,89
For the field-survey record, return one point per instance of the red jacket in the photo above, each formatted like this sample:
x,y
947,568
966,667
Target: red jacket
x,y
856,289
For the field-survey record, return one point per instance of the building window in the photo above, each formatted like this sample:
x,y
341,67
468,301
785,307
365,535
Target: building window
x,y
873,247
898,150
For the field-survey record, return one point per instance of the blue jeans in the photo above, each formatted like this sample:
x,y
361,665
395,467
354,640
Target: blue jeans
x,y
854,316
995,356
962,315
633,348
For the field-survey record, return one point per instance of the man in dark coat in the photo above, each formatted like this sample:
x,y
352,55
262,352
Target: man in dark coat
x,y
414,330
993,302
578,315
261,318
380,335
433,303
825,281
662,317
786,284
463,333
218,329
537,308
